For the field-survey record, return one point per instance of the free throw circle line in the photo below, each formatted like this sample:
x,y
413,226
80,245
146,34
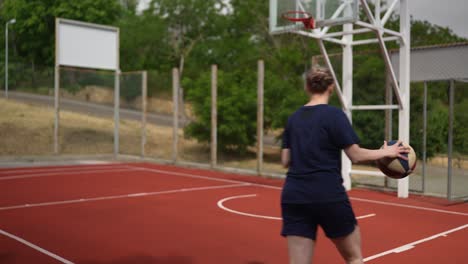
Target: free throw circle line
x,y
222,201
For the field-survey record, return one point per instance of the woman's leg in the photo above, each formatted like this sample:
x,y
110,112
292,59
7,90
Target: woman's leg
x,y
300,250
350,247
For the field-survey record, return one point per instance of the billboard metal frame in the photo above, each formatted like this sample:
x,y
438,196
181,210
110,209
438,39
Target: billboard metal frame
x,y
58,22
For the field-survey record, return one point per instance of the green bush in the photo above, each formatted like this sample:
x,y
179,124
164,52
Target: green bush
x,y
236,109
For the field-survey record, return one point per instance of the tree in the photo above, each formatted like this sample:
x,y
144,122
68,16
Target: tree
x,y
35,23
188,22
236,109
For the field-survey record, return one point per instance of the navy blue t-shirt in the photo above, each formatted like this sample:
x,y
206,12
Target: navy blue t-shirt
x,y
315,136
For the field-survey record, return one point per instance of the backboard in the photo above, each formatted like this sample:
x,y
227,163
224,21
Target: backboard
x,y
324,12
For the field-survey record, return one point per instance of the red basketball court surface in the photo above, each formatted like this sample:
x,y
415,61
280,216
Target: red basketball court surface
x,y
143,213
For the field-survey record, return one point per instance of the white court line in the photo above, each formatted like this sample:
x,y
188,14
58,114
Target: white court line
x,y
31,245
51,170
222,201
59,168
413,244
45,174
409,206
365,216
188,175
122,196
279,188
220,205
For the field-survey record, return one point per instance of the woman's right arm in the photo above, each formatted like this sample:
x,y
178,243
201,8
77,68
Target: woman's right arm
x,y
357,154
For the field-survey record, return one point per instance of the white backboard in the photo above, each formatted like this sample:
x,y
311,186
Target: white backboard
x,y
87,45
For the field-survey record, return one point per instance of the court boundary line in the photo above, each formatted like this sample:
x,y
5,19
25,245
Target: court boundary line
x,y
45,174
279,188
221,205
409,206
122,196
412,245
65,168
35,247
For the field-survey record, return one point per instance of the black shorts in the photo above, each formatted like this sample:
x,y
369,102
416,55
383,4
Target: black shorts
x,y
336,219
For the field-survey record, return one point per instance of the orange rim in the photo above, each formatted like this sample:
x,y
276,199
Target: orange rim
x,y
300,16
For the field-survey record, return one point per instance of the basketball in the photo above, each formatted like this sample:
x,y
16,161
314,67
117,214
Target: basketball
x,y
397,168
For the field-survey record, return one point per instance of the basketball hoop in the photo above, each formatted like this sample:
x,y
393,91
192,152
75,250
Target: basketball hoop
x,y
300,16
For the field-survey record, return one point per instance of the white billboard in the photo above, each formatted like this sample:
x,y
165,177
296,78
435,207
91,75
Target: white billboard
x,y
87,45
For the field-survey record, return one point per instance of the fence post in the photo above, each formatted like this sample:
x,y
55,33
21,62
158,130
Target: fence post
x,y
175,108
450,140
424,139
260,93
144,98
214,115
56,91
116,113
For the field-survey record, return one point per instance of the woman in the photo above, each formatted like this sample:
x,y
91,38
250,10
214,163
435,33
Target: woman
x,y
313,194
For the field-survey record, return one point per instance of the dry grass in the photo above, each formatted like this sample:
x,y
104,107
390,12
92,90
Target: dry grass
x,y
103,95
27,130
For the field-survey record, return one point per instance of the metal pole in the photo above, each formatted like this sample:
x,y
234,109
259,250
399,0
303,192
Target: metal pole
x,y
260,108
56,88
11,21
347,80
214,115
424,143
450,140
175,108
404,102
377,11
388,115
6,60
144,102
116,112
117,98
338,91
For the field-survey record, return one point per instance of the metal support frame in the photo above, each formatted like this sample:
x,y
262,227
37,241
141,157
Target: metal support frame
x,y
375,107
374,26
404,112
379,30
376,40
388,117
400,86
389,12
330,66
347,80
56,143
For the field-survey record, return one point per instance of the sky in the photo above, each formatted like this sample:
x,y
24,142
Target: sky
x,y
447,13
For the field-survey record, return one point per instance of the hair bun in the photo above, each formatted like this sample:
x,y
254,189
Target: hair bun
x,y
318,80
